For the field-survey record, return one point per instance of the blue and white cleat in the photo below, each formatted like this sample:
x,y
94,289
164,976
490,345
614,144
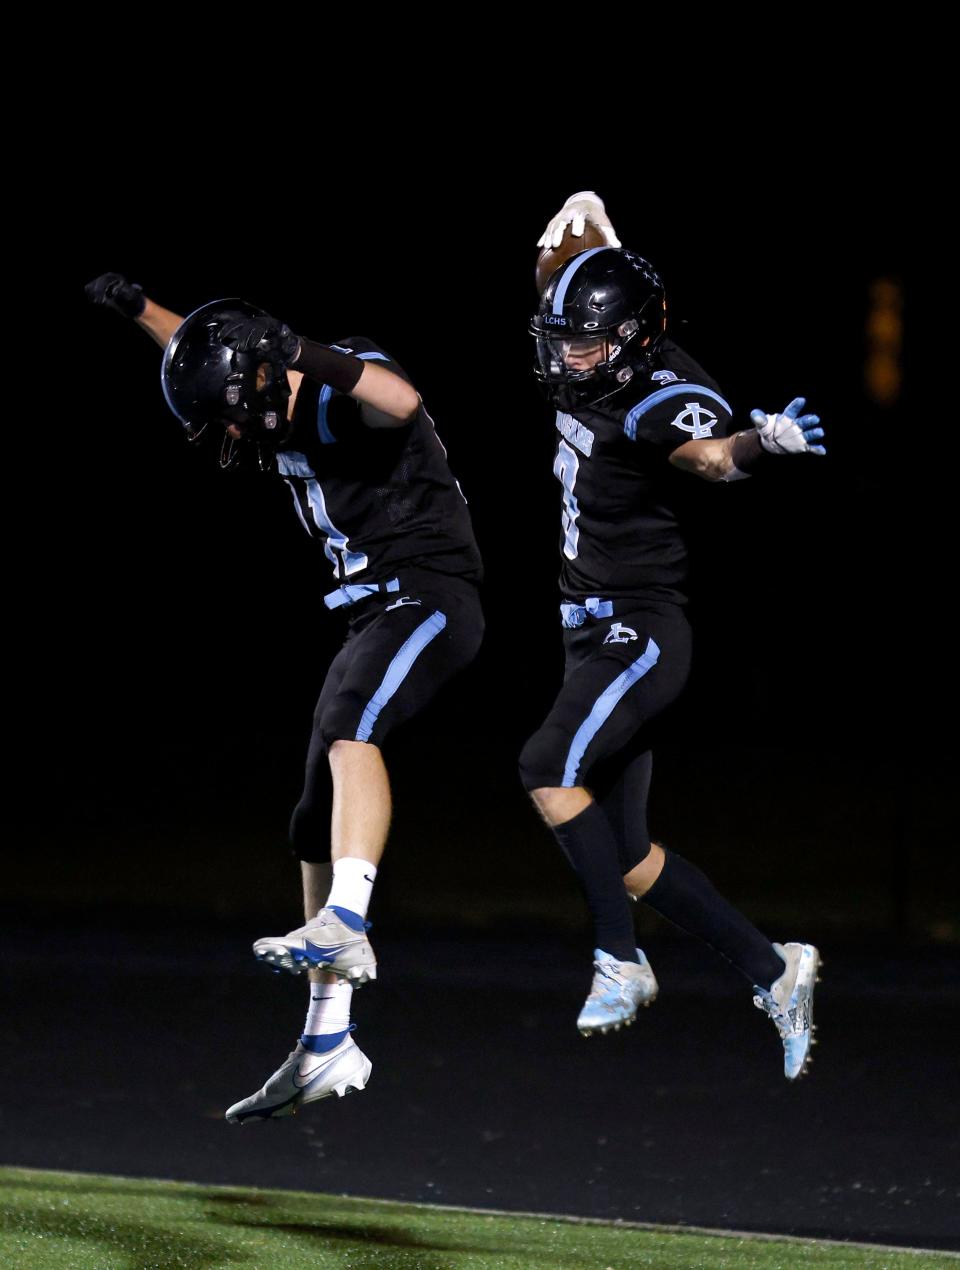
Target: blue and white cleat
x,y
335,940
618,989
789,1003
306,1077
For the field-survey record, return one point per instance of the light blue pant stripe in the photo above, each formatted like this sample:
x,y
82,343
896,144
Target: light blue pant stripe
x,y
398,670
603,708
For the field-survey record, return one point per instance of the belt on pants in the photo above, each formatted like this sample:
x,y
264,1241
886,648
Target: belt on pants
x,y
574,615
350,593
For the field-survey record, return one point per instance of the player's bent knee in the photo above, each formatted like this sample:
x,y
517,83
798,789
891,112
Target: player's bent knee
x,y
557,804
341,720
645,871
536,768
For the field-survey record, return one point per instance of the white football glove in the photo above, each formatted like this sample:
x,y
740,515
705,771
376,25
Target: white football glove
x,y
576,211
787,433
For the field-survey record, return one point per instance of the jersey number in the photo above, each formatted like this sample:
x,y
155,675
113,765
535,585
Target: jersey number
x,y
565,468
345,562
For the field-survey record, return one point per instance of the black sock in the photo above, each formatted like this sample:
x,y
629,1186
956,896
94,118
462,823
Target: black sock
x,y
686,897
589,844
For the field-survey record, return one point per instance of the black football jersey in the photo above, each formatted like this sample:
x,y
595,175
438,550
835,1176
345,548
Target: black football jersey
x,y
378,499
620,529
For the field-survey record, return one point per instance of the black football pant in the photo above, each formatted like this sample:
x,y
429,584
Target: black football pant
x,y
401,648
622,671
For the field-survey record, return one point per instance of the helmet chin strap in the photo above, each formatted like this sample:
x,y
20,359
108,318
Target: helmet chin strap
x,y
194,434
228,451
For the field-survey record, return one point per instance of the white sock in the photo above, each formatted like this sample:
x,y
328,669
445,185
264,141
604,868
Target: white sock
x,y
329,1009
352,884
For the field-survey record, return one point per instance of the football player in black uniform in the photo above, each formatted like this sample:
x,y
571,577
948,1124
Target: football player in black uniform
x,y
370,482
633,410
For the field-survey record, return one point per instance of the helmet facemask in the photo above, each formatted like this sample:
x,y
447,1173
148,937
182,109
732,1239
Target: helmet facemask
x,y
567,359
254,398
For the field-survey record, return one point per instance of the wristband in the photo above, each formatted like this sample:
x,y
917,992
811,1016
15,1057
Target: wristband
x,y
747,452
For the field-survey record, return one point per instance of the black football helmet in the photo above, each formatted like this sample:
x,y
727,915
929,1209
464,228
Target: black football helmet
x,y
605,300
204,382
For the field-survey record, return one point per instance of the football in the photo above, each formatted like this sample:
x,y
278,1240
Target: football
x,y
551,258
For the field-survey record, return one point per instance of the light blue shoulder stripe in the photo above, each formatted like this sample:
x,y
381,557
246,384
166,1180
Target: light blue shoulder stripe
x,y
326,394
655,398
603,707
323,427
364,357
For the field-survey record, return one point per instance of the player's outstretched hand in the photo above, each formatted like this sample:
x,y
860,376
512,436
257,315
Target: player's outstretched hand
x,y
576,211
115,292
789,432
273,339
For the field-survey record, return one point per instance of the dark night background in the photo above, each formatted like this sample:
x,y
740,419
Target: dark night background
x,y
181,634
175,638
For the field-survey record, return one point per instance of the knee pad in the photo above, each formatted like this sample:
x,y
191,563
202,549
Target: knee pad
x,y
538,766
341,718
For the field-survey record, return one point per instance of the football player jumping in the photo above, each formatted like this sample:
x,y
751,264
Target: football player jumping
x,y
632,410
371,484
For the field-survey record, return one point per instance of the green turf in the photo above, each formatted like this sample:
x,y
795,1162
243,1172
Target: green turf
x,y
73,1221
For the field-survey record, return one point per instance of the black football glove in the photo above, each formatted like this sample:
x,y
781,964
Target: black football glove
x,y
264,334
114,291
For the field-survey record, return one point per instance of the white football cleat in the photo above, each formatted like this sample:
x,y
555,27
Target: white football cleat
x,y
327,942
789,1003
305,1077
618,989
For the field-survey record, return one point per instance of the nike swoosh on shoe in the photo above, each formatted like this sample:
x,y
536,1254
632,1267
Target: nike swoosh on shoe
x,y
330,951
302,1079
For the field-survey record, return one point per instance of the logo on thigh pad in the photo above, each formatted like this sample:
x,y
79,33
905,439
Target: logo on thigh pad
x,y
620,634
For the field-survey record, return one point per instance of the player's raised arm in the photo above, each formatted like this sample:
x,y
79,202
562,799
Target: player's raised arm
x,y
734,457
113,291
581,209
394,400
582,223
